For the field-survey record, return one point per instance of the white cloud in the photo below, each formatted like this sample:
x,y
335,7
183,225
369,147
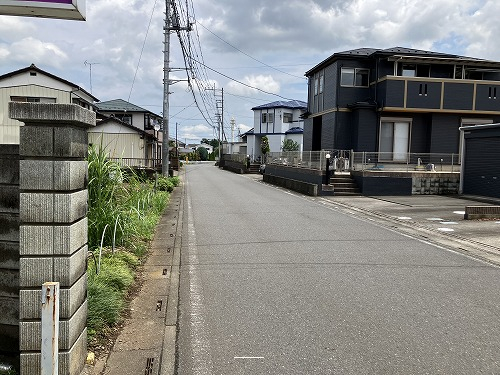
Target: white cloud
x,y
292,36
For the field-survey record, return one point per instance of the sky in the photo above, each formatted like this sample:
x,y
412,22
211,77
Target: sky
x,y
251,49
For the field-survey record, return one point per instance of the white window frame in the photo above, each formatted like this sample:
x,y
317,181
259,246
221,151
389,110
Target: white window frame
x,y
267,117
355,72
286,116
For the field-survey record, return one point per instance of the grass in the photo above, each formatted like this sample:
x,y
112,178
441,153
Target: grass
x,y
126,208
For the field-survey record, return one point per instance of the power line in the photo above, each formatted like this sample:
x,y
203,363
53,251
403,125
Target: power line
x,y
242,83
246,54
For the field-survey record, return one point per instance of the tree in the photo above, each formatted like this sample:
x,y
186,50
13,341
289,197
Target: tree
x,y
290,145
212,142
264,145
202,153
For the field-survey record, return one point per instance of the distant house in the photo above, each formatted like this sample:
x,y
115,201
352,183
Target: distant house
x,y
32,84
278,121
134,131
124,142
398,100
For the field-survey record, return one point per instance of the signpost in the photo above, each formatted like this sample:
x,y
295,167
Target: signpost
x,y
61,9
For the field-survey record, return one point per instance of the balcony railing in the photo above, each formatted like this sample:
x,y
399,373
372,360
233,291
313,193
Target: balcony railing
x,y
439,94
138,162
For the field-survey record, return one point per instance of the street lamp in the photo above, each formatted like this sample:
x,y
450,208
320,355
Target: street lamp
x,y
156,127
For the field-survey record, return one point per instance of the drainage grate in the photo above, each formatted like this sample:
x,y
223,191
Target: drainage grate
x,y
149,366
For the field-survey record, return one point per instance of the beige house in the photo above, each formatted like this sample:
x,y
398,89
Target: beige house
x,y
134,132
125,143
32,84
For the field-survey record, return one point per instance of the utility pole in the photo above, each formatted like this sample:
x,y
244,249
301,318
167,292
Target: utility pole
x,y
169,27
166,84
219,116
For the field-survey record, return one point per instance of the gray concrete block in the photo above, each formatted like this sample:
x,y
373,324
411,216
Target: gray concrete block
x,y
68,239
70,175
9,283
45,240
9,255
9,311
67,270
52,113
36,141
9,198
71,362
70,207
36,240
69,330
37,208
33,272
70,300
36,175
71,142
9,227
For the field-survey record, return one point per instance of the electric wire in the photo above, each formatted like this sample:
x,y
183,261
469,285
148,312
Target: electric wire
x,y
246,54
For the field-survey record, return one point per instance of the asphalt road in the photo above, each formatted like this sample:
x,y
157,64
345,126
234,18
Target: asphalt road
x,y
276,283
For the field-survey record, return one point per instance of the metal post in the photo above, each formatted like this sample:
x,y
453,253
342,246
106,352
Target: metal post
x,y
50,328
166,82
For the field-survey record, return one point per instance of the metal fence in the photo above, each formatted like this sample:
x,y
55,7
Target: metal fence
x,y
346,160
404,162
310,159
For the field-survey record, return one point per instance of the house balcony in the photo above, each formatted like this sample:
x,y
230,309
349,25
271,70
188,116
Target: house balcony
x,y
438,95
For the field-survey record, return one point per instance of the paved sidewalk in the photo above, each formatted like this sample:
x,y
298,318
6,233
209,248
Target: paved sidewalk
x,y
146,343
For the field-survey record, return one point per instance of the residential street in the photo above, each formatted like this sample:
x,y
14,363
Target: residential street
x,y
272,282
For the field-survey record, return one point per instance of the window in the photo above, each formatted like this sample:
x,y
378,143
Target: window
x,y
394,139
321,82
267,117
287,117
409,70
125,118
31,99
354,77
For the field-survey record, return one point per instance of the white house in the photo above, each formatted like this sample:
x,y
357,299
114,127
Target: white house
x,y
32,84
278,121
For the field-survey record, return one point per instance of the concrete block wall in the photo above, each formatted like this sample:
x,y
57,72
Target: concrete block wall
x,y
53,227
435,184
9,252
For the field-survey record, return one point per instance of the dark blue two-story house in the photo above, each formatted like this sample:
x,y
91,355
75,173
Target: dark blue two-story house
x,y
398,100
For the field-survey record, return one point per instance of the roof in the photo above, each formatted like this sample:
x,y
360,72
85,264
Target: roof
x,y
401,53
292,104
107,119
33,67
295,130
120,105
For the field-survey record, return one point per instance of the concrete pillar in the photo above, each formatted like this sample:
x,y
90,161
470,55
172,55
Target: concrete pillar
x,y
53,227
9,254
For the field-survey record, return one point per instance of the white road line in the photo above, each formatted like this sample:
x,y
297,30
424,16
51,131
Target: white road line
x,y
446,229
434,219
248,357
404,218
459,212
200,343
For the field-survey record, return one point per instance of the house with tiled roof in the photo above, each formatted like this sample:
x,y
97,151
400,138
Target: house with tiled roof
x,y
397,101
279,120
131,132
